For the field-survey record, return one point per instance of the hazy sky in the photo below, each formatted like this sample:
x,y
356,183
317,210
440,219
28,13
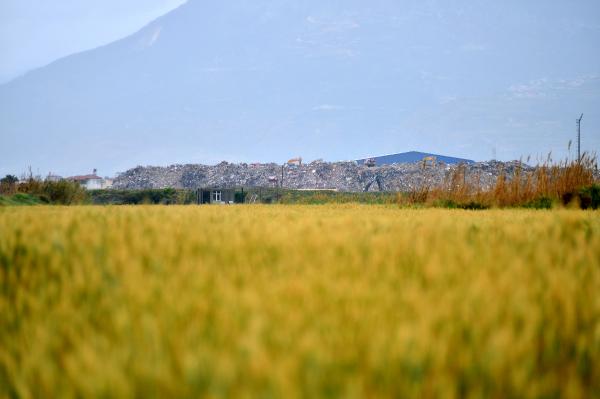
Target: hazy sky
x,y
34,33
468,78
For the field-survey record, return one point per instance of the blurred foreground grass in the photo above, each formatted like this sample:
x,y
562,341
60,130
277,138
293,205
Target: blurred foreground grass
x,y
298,301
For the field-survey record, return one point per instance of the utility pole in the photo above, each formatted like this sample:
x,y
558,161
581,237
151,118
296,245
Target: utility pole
x,y
579,138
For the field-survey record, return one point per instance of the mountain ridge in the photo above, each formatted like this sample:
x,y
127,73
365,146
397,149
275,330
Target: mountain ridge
x,y
263,80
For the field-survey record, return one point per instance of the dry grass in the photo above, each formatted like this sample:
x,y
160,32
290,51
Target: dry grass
x,y
554,182
292,301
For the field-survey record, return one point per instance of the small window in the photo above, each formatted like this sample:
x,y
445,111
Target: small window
x,y
216,196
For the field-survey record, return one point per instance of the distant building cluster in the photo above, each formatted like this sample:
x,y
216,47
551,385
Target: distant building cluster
x,y
89,182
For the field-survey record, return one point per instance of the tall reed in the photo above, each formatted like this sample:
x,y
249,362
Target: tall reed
x,y
550,182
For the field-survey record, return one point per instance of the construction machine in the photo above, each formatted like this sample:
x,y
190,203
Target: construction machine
x,y
370,162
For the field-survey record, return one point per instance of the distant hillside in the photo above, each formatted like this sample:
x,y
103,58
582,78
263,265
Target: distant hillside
x,y
211,81
414,156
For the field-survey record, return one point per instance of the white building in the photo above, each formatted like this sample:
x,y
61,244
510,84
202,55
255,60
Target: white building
x,y
89,182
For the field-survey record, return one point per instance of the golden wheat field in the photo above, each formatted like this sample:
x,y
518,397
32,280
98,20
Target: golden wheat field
x,y
298,301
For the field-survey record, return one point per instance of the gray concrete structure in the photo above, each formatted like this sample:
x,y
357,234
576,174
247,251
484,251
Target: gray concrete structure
x,y
215,195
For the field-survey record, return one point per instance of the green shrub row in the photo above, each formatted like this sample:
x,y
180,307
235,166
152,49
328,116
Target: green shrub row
x,y
585,198
32,191
167,196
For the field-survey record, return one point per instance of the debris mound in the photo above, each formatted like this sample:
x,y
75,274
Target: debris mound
x,y
317,175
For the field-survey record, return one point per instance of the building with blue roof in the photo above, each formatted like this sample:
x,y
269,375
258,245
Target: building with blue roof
x,y
412,157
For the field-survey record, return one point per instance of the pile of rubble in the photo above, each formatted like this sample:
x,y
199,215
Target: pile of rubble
x,y
342,176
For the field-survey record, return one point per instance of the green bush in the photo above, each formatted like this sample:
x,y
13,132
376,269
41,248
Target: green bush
x,y
540,203
8,184
589,197
585,198
63,192
471,205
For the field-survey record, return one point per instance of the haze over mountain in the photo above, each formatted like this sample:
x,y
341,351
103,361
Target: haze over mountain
x,y
265,80
34,33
